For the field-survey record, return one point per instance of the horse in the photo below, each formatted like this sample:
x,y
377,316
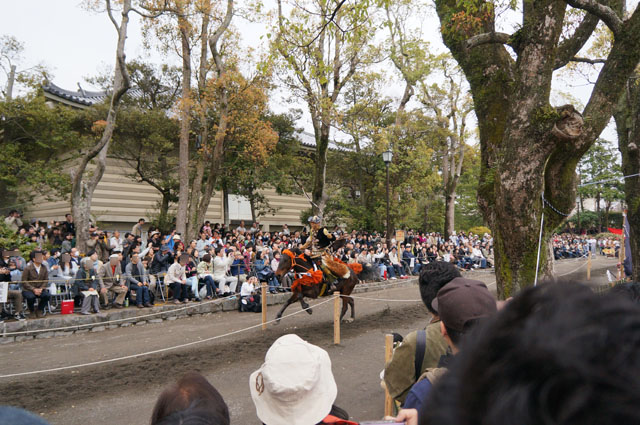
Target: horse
x,y
300,264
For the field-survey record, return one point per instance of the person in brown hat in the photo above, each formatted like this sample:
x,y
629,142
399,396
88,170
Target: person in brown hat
x,y
460,304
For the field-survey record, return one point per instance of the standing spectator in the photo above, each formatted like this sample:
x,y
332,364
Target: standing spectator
x,y
138,280
176,278
69,225
67,243
137,228
113,280
35,279
13,221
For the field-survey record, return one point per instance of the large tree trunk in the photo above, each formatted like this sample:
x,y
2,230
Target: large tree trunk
x,y
529,147
185,126
83,184
627,119
449,214
319,198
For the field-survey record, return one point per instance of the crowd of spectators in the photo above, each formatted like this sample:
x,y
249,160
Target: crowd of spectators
x,y
136,267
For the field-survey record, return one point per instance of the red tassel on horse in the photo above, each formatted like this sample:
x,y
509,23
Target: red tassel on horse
x,y
308,279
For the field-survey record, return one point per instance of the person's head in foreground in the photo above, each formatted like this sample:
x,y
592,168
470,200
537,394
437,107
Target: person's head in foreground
x,y
190,401
295,385
556,354
433,277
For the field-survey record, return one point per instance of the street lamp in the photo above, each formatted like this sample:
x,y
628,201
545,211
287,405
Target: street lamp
x,y
387,157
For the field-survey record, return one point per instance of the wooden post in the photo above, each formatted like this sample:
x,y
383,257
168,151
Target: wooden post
x,y
336,319
263,296
388,352
589,265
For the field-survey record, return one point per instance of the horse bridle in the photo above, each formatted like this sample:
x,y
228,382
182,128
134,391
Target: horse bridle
x,y
296,274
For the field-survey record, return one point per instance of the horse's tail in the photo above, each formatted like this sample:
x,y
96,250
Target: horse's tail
x,y
369,273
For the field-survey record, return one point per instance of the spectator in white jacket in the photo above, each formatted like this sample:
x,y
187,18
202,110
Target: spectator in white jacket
x,y
221,264
176,278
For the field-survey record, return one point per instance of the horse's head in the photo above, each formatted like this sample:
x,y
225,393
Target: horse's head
x,y
285,264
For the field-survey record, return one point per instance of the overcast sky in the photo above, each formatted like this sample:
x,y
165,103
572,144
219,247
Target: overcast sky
x,y
74,43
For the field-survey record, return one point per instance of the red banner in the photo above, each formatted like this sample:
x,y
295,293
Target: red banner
x,y
614,231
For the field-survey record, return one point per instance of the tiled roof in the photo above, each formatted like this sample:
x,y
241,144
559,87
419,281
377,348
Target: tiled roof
x,y
83,97
309,140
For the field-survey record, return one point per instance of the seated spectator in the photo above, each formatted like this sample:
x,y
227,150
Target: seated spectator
x,y
191,271
264,272
35,280
477,257
221,263
137,279
409,259
395,263
556,354
238,268
64,272
249,296
86,287
402,371
205,273
160,263
14,294
191,400
113,280
176,278
295,385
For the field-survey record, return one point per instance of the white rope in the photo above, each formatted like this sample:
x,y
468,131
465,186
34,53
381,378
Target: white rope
x,y
161,350
535,282
173,310
383,299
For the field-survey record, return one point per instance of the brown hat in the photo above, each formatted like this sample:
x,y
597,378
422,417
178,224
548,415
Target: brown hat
x,y
462,300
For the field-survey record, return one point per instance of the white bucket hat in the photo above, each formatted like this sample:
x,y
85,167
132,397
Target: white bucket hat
x,y
295,385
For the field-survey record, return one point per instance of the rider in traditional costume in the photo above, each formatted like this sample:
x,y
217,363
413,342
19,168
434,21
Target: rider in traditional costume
x,y
318,242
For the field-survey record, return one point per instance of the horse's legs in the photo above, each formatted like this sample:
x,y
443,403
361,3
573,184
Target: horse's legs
x,y
291,300
345,305
304,305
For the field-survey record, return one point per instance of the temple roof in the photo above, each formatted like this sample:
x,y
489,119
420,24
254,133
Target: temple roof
x,y
80,98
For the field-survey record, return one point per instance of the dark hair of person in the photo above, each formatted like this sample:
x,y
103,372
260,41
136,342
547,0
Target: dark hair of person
x,y
556,354
433,277
206,258
457,336
33,253
218,249
192,400
630,290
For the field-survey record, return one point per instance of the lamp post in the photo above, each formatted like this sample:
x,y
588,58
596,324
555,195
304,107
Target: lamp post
x,y
387,157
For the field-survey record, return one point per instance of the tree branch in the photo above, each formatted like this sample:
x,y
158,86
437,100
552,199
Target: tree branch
x,y
489,38
588,60
603,12
572,45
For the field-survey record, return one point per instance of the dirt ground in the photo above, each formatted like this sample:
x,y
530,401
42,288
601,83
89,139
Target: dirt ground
x,y
124,392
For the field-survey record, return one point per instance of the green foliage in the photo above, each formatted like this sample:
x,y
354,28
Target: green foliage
x,y
480,230
33,136
10,240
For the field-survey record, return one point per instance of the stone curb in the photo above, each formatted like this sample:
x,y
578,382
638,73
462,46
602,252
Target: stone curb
x,y
79,324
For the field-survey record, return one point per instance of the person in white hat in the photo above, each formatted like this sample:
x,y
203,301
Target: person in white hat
x,y
295,385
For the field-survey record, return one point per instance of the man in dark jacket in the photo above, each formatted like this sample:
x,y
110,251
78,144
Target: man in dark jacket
x,y
35,280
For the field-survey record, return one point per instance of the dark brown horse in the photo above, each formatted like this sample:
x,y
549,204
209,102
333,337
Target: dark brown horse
x,y
302,265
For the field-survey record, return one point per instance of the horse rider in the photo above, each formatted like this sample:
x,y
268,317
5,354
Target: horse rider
x,y
319,241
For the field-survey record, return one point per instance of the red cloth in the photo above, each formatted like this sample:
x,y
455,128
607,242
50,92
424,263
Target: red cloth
x,y
614,231
312,278
337,421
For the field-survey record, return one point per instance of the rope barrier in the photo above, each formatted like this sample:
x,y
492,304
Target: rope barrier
x,y
173,310
161,350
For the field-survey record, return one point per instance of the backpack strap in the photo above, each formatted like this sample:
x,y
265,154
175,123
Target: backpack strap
x,y
421,346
